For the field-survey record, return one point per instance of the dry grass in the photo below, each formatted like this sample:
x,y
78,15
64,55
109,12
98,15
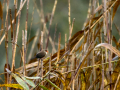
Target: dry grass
x,y
89,61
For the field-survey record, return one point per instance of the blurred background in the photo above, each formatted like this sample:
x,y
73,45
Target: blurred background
x,y
79,9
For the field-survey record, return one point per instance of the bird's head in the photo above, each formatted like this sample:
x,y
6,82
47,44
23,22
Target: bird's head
x,y
46,51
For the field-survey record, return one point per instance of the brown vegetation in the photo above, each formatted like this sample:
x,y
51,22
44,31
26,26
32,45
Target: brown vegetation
x,y
88,61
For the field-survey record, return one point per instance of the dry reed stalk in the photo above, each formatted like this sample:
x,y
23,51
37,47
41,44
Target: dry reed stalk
x,y
103,14
94,71
73,86
3,37
69,19
90,48
14,48
50,65
97,65
70,32
72,26
12,32
86,39
110,42
41,42
87,32
6,40
117,82
23,53
11,25
58,53
63,69
72,68
93,39
15,8
42,59
42,18
2,24
87,36
102,85
65,46
104,17
88,15
106,32
93,62
25,40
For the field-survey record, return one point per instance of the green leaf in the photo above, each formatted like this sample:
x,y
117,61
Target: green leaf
x,y
44,88
52,84
30,82
18,79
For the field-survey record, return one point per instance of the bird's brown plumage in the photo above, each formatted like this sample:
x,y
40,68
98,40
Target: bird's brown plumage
x,y
40,54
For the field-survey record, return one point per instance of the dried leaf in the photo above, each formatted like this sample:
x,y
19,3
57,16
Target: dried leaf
x,y
59,73
115,7
110,47
30,39
17,86
67,79
83,83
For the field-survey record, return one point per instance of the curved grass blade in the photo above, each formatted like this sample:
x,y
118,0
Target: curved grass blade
x,y
44,88
110,47
52,84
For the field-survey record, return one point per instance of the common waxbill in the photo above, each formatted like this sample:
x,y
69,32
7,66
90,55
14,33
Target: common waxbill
x,y
41,54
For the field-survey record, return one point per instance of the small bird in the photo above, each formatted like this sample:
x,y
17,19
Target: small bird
x,y
41,54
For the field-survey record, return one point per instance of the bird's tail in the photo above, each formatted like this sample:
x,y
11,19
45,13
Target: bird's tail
x,y
33,58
